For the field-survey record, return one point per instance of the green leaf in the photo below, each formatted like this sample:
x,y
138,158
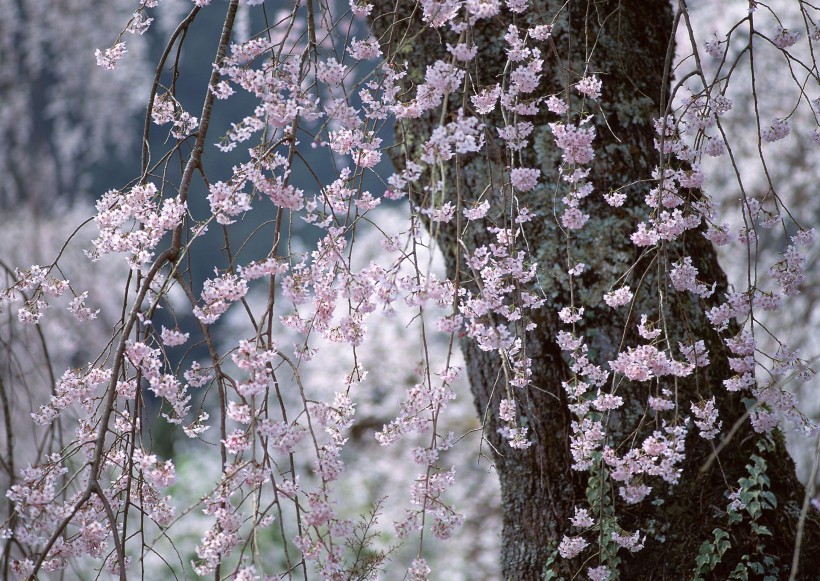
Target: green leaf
x,y
761,529
741,573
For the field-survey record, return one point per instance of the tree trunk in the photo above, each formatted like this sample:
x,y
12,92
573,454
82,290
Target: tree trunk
x,y
539,489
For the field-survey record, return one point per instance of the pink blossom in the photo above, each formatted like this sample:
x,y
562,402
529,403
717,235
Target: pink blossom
x,y
647,331
517,51
80,311
506,410
360,7
364,49
477,212
217,296
443,214
567,342
600,573
184,125
482,9
173,337
571,315
576,142
419,570
245,52
517,6
196,376
462,51
721,104
283,437
425,456
779,129
589,87
577,270
139,24
618,297
282,194
607,401
222,90
683,278
515,135
32,312
718,235
696,354
785,38
585,439
517,437
524,179
110,57
461,136
541,32
526,78
804,237
438,12
582,519
228,201
259,269
615,199
768,301
574,219
763,421
485,100
239,413
645,236
632,542
634,493
706,415
714,147
659,404
569,547
444,77
790,271
646,362
556,105
330,71
713,49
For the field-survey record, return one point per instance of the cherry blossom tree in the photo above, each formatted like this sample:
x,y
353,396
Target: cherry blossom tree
x,y
556,155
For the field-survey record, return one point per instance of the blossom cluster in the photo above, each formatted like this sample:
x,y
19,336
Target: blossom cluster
x,y
284,444
135,222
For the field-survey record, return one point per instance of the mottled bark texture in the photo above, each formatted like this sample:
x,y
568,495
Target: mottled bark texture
x,y
628,42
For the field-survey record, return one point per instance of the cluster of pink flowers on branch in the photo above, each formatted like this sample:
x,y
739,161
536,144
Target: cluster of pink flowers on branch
x,y
284,444
135,222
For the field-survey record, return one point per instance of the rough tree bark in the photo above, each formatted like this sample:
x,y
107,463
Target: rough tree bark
x,y
538,488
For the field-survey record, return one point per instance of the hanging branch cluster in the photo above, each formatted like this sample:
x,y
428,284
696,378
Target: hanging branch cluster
x,y
323,92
